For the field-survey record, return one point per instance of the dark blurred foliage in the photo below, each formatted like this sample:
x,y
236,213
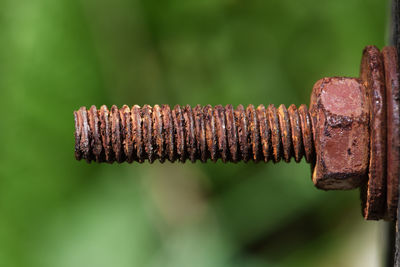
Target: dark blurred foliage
x,y
56,56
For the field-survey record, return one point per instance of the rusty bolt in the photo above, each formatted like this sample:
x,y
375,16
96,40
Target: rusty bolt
x,y
350,135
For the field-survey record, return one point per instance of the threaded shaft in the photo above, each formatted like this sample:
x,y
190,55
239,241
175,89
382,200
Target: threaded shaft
x,y
200,133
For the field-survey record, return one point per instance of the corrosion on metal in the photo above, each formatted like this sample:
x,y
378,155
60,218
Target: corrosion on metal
x,y
393,129
297,138
339,113
150,133
373,77
350,135
307,133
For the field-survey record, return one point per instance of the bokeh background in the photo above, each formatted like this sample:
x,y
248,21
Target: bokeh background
x,y
56,56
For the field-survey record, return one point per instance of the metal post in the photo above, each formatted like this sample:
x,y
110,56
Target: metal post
x,y
395,40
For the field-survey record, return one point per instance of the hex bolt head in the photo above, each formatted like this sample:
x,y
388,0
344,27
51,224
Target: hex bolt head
x,y
339,112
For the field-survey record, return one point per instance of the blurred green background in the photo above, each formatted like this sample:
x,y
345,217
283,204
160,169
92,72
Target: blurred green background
x,y
56,56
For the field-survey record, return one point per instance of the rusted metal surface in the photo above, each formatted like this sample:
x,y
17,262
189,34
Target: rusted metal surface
x,y
265,132
394,240
344,134
275,133
373,194
393,129
340,116
150,133
286,132
307,133
295,127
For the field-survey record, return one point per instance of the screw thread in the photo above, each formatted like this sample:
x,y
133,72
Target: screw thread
x,y
201,133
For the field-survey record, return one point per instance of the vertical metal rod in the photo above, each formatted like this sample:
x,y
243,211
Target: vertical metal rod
x,y
394,243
